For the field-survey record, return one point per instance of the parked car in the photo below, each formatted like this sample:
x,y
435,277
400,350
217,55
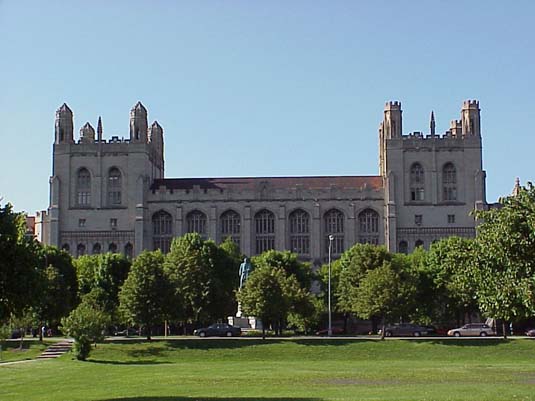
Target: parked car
x,y
405,329
335,331
218,329
530,333
472,329
125,332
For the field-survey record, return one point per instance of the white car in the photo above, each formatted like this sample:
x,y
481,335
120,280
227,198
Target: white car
x,y
472,329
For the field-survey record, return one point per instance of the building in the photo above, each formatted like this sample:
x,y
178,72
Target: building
x,y
112,195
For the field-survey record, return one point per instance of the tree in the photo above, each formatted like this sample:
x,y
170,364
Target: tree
x,y
505,258
104,274
380,293
204,278
86,324
270,294
146,295
354,264
450,262
19,269
287,261
58,287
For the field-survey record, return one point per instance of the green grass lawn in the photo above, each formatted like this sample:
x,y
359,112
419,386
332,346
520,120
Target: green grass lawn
x,y
30,350
282,370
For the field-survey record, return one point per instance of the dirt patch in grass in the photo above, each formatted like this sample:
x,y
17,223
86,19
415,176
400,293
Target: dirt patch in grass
x,y
349,381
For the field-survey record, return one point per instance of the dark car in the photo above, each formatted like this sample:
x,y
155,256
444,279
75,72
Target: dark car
x,y
530,333
335,331
405,329
125,332
218,329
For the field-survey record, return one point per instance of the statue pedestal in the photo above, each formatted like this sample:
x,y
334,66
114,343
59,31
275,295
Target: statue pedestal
x,y
244,322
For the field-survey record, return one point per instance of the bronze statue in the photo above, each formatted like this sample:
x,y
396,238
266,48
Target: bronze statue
x,y
245,270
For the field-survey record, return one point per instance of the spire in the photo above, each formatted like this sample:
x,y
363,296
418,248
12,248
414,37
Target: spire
x,y
99,129
432,123
517,188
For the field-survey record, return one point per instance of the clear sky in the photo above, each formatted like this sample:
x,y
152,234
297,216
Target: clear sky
x,y
264,88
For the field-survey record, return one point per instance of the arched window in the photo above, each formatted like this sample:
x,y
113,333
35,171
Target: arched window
x,y
97,249
66,247
80,250
196,222
230,225
334,225
112,248
418,243
300,232
83,188
162,231
264,231
417,182
129,250
369,227
114,187
403,247
449,182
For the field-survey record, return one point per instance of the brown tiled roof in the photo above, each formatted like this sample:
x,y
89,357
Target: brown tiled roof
x,y
240,183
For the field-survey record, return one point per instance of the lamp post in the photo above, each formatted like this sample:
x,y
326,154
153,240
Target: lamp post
x,y
330,330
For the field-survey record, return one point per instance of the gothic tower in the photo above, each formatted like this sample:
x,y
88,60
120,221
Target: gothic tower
x,y
64,126
138,124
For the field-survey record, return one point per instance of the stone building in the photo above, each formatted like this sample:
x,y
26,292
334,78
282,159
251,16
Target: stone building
x,y
112,195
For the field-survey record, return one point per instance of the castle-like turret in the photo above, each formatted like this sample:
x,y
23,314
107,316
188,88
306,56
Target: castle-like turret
x,y
64,126
392,123
138,124
432,125
87,134
470,118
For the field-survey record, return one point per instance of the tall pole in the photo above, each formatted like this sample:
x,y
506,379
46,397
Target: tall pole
x,y
330,331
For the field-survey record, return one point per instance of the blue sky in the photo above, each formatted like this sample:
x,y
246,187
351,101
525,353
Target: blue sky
x,y
264,88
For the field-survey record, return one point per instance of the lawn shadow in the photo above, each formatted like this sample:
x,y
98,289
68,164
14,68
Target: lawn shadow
x,y
165,398
456,342
148,362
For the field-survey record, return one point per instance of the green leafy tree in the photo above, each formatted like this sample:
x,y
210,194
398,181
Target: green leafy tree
x,y
204,277
146,295
22,322
86,324
19,267
381,293
270,294
103,275
58,287
354,264
287,261
505,258
450,263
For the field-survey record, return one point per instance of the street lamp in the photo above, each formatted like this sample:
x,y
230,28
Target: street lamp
x,y
330,331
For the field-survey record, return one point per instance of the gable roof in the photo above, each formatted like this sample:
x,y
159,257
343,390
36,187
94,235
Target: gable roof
x,y
251,183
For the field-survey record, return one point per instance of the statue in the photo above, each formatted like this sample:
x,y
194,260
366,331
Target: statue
x,y
245,269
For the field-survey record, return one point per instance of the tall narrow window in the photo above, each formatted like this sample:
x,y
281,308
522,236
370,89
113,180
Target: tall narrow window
x,y
80,250
417,182
112,248
162,231
403,247
83,188
369,227
264,231
418,243
97,249
196,222
114,187
334,225
300,232
129,250
449,182
230,226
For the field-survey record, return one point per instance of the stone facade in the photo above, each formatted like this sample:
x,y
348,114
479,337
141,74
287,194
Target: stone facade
x,y
111,195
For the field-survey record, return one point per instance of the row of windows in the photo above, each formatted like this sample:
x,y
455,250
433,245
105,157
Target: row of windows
x,y
83,187
97,248
417,182
264,229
